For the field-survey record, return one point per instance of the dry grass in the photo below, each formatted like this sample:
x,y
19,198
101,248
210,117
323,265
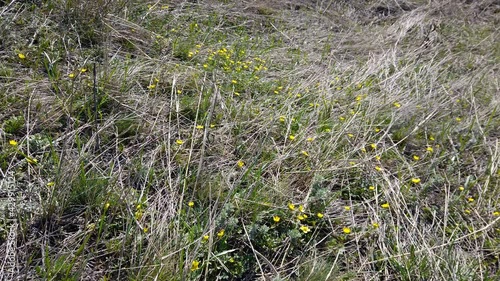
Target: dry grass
x,y
254,140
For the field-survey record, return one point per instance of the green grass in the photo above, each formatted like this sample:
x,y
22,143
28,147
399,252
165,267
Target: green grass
x,y
249,140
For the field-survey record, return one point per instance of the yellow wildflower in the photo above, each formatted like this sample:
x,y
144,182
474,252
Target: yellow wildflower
x,y
378,168
83,70
397,104
205,237
291,206
179,142
371,187
347,208
195,265
49,184
199,127
190,203
346,230
13,142
305,153
71,75
240,163
416,157
152,86
310,139
21,56
385,205
375,225
470,199
373,146
461,188
430,149
276,218
282,118
234,81
458,119
220,233
305,229
291,137
496,214
301,208
301,217
350,135
377,130
319,215
415,180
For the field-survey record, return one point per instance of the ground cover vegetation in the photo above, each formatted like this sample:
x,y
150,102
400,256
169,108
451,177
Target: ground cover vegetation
x,y
249,140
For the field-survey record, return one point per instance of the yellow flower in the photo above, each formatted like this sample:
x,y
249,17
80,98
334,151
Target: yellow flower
x,y
305,229
106,206
377,130
234,81
205,237
430,149
319,215
416,157
327,130
371,187
373,146
467,211
363,149
282,118
152,86
199,127
350,135
496,214
358,98
276,218
375,225
71,75
301,217
397,104
220,233
212,125
291,137
291,206
13,142
470,199
179,92
145,229
385,205
83,70
341,118
431,138
346,230
461,188
310,139
305,153
458,119
347,208
190,203
195,265
377,157
205,65
179,142
49,184
240,163
21,56
415,180
378,168
301,208
352,163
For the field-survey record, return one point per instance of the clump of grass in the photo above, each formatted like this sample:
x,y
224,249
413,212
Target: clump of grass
x,y
243,142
